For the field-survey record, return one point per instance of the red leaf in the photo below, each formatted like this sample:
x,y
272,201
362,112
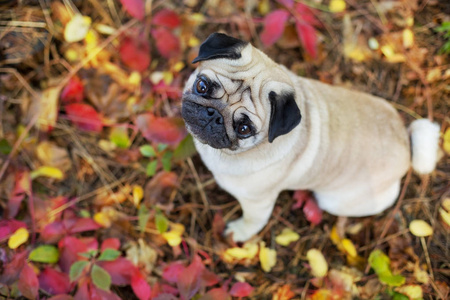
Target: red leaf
x,y
189,281
169,130
69,247
312,212
8,227
53,232
84,224
166,17
82,290
308,36
21,188
140,287
61,297
306,14
135,53
172,272
54,282
73,92
28,282
209,278
11,270
287,3
216,294
135,8
166,42
274,24
111,243
241,289
84,116
171,91
121,270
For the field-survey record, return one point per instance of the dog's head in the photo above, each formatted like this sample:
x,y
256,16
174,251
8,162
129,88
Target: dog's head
x,y
238,98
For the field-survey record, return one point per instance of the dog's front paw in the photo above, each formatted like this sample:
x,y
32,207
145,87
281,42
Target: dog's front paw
x,y
241,230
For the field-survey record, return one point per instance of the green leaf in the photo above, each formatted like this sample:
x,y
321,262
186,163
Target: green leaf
x,y
84,213
119,136
161,222
398,296
109,255
380,263
45,254
185,149
89,254
151,168
147,151
167,161
143,216
100,278
5,147
162,147
444,27
76,269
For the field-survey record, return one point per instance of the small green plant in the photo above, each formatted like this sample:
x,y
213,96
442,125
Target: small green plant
x,y
445,28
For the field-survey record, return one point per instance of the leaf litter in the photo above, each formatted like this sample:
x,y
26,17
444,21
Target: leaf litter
x,y
100,183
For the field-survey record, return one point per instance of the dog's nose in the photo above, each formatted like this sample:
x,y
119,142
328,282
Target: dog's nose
x,y
213,115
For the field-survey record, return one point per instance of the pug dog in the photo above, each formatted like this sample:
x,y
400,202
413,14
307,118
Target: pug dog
x,y
261,129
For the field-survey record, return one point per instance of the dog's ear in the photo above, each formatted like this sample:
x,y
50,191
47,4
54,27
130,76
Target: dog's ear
x,y
219,45
284,116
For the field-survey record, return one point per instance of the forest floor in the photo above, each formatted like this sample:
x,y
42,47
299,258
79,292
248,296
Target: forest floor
x,y
103,196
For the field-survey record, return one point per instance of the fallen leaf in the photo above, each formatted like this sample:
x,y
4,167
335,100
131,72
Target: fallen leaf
x,y
247,251
84,116
47,171
380,262
28,283
100,277
52,155
22,187
167,18
274,24
73,92
119,136
286,237
349,247
317,262
140,286
445,216
267,257
45,254
136,8
408,38
446,141
54,282
138,194
337,6
241,289
166,130
19,237
142,255
413,291
77,28
135,53
420,228
46,108
167,43
173,236
283,293
312,212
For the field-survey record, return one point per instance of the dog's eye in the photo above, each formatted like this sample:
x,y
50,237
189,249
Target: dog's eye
x,y
201,86
244,129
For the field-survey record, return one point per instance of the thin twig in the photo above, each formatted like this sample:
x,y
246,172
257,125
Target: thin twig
x,y
199,185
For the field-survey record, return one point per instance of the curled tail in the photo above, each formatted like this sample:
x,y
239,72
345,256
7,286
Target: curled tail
x,y
424,145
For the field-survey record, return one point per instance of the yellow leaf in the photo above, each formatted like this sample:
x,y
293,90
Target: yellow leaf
x,y
408,38
193,42
47,171
47,108
50,154
420,228
77,28
337,6
286,237
267,257
263,7
319,266
173,237
72,55
198,18
446,204
445,216
247,251
103,219
434,75
138,194
105,29
19,237
167,77
413,291
446,144
390,54
421,275
135,79
349,247
178,66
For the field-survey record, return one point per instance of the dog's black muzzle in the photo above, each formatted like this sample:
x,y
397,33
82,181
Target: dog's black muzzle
x,y
206,124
